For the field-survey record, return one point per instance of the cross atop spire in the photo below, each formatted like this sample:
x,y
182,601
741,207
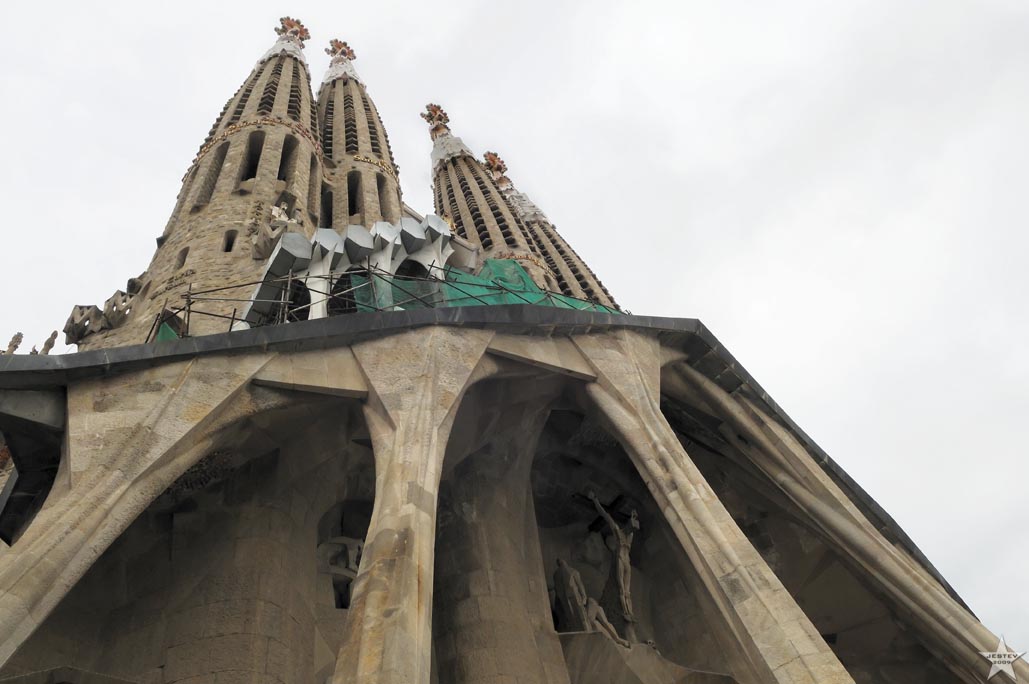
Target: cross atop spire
x,y
339,50
437,120
293,30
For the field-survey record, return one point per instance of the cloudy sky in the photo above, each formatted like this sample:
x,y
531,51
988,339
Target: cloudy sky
x,y
838,190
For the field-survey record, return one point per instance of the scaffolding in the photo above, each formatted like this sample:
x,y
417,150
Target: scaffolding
x,y
367,289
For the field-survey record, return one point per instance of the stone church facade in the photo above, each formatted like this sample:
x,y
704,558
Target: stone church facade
x,y
326,438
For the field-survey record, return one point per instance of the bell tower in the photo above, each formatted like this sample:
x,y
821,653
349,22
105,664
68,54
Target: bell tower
x,y
359,184
467,195
574,278
262,153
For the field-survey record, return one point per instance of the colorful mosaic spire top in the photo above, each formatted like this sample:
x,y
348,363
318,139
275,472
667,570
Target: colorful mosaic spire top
x,y
292,29
339,50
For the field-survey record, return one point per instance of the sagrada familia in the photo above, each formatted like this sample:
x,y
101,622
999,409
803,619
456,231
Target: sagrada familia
x,y
324,438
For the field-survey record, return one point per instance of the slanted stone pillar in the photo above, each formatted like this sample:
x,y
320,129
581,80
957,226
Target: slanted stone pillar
x,y
488,627
128,437
952,632
416,380
775,640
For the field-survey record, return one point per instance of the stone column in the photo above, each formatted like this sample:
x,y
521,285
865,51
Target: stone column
x,y
956,635
487,625
776,641
416,380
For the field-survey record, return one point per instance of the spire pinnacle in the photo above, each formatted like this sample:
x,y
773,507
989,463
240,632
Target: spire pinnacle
x,y
292,30
292,34
444,144
339,50
342,63
437,120
496,168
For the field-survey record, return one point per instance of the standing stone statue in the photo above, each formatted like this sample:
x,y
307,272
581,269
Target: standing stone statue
x,y
599,623
14,344
623,541
49,344
267,236
571,598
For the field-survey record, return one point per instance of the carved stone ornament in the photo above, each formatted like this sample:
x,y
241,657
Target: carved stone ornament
x,y
49,344
116,308
14,343
268,235
83,321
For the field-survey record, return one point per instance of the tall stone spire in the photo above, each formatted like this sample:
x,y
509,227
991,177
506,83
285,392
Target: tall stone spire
x,y
262,153
360,184
468,197
574,277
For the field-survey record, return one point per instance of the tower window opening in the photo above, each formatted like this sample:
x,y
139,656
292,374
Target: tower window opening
x,y
180,261
211,177
455,212
271,86
293,108
491,202
218,122
187,185
349,121
385,205
325,219
354,199
312,186
244,97
312,111
229,241
373,128
252,158
288,159
473,208
330,108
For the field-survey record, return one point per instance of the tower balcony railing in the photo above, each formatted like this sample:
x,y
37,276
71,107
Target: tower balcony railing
x,y
293,298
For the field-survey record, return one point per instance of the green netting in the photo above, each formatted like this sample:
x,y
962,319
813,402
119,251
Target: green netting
x,y
165,332
501,281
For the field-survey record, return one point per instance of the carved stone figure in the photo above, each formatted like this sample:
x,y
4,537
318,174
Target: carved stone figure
x,y
280,215
14,344
341,556
267,236
49,344
599,623
570,595
623,544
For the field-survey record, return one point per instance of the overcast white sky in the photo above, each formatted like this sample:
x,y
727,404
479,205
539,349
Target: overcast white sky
x,y
837,190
